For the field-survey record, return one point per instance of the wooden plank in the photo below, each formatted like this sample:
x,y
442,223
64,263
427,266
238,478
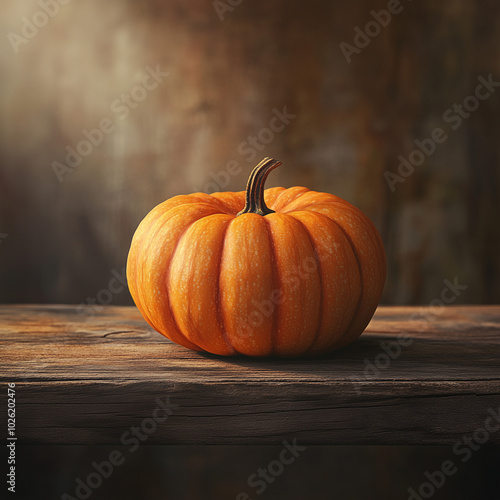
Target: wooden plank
x,y
89,380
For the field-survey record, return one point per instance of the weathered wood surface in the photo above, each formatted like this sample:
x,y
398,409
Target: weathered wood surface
x,y
90,380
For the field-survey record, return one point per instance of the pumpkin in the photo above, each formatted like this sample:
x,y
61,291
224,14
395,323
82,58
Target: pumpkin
x,y
276,272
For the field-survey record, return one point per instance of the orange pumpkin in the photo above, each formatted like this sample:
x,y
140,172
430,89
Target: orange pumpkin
x,y
224,273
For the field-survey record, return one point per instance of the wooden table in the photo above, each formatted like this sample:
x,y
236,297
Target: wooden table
x,y
90,380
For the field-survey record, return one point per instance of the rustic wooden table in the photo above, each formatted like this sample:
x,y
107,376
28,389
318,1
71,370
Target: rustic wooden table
x,y
416,376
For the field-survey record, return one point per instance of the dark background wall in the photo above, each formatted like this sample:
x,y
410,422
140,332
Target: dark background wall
x,y
224,80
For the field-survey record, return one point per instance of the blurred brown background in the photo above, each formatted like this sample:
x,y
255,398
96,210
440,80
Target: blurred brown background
x,y
86,60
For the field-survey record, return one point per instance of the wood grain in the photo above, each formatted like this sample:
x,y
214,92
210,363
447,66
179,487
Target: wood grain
x,y
82,379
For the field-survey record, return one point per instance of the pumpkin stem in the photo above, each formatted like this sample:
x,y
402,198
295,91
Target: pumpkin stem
x,y
255,188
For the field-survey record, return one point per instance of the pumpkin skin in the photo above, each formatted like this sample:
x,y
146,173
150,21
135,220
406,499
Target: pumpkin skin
x,y
300,274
